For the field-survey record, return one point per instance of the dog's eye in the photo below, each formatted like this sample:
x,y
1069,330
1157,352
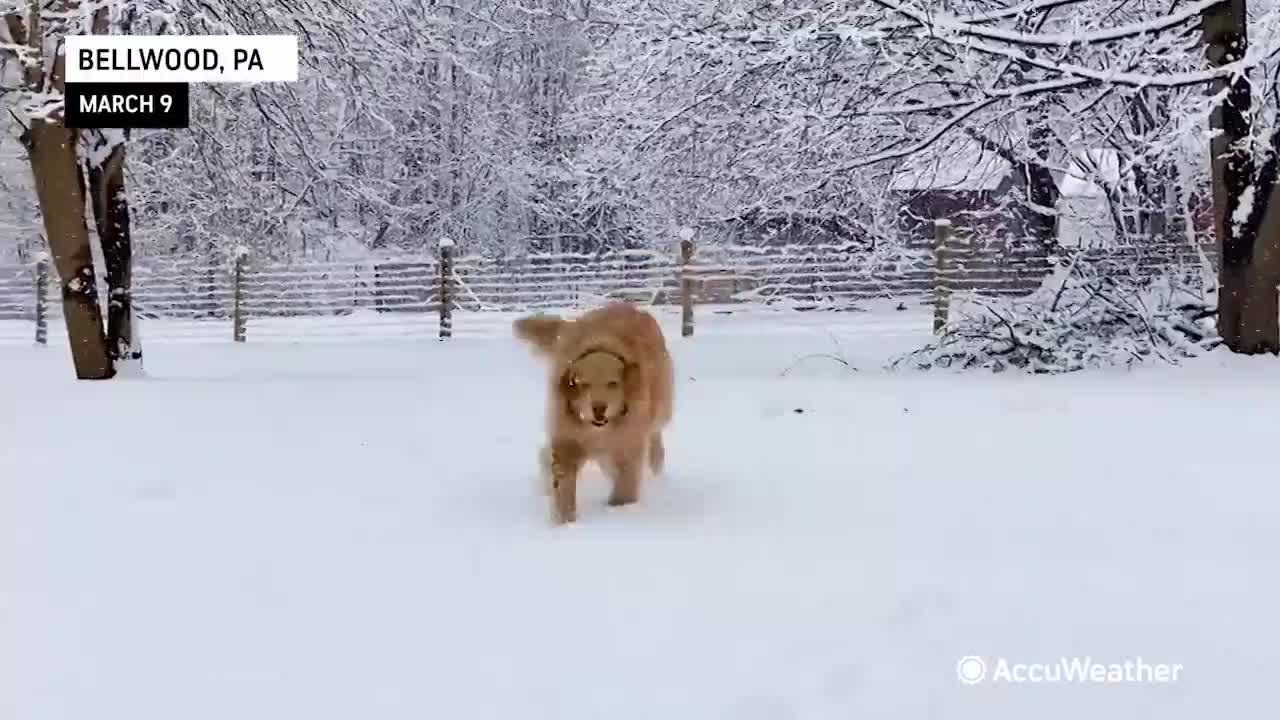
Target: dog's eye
x,y
613,384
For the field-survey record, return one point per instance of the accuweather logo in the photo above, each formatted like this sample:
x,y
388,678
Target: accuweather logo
x,y
975,670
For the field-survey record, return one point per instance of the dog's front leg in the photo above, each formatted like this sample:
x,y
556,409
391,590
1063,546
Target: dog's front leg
x,y
625,468
566,460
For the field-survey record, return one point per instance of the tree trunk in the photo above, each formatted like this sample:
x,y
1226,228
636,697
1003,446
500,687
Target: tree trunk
x,y
1260,327
1248,320
60,189
1042,198
111,215
105,169
60,193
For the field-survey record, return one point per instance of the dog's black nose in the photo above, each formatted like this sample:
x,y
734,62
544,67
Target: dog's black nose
x,y
598,409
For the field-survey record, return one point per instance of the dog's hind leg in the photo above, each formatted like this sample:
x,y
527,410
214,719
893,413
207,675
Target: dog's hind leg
x,y
566,460
657,454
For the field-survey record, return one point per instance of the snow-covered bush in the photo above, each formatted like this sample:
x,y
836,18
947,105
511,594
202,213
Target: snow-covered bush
x,y
1083,318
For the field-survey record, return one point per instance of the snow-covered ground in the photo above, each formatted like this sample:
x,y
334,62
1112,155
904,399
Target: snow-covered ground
x,y
276,531
877,318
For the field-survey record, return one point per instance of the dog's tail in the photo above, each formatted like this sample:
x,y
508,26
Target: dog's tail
x,y
540,330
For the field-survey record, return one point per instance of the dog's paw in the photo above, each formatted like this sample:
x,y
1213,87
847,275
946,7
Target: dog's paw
x,y
559,518
622,500
558,513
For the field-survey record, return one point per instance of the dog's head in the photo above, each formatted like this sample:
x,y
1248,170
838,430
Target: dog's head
x,y
597,388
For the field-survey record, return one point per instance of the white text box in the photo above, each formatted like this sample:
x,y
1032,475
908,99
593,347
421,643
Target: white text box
x,y
182,58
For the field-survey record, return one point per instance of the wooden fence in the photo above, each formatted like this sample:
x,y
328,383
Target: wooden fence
x,y
805,278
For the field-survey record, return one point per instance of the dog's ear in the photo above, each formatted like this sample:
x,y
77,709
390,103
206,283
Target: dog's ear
x,y
568,380
633,376
568,392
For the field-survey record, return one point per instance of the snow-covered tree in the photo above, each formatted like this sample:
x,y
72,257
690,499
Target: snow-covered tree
x,y
800,106
32,71
1245,161
590,124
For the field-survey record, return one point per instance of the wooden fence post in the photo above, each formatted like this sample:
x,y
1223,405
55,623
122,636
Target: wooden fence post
x,y
686,282
446,287
238,319
943,232
42,299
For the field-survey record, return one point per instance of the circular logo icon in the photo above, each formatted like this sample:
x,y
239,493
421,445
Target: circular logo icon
x,y
971,669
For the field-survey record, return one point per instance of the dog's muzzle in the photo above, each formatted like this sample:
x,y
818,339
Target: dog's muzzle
x,y
601,420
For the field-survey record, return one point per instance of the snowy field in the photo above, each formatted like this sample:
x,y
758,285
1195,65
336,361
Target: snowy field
x,y
879,318
314,531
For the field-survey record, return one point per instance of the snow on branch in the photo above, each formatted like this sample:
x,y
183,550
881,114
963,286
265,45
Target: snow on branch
x,y
941,25
1091,320
795,107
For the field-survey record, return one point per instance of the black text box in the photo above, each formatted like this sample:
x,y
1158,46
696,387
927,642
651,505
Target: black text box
x,y
127,105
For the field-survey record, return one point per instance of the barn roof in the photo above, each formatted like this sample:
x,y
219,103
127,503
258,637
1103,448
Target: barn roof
x,y
961,165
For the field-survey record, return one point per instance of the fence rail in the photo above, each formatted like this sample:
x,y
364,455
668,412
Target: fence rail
x,y
243,299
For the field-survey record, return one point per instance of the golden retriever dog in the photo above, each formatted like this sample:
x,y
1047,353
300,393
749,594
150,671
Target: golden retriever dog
x,y
609,397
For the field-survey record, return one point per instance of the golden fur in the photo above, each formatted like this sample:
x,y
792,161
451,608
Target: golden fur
x,y
610,393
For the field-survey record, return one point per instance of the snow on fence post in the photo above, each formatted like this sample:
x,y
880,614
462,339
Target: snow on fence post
x,y
943,233
42,299
686,282
446,297
237,295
